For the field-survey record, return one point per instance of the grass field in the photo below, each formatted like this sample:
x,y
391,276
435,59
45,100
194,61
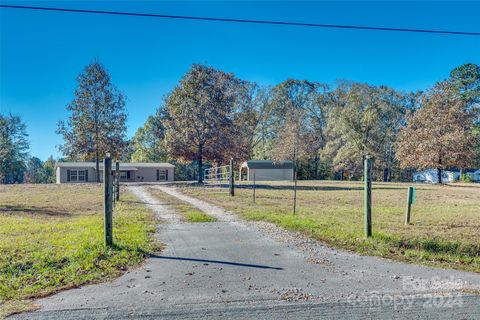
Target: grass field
x,y
445,219
189,212
52,238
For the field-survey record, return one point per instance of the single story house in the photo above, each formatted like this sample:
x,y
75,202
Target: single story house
x,y
431,176
266,170
82,172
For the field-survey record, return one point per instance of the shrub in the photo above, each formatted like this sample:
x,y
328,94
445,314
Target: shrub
x,y
466,178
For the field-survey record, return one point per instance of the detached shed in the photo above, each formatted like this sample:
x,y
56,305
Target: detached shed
x,y
266,170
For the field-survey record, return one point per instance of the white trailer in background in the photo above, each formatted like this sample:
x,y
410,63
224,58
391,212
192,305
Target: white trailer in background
x,y
431,176
475,175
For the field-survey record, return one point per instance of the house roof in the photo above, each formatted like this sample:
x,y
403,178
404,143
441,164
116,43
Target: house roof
x,y
129,168
268,164
123,165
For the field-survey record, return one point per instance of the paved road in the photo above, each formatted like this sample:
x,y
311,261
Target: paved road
x,y
232,269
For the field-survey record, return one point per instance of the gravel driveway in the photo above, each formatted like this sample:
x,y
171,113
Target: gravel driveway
x,y
232,269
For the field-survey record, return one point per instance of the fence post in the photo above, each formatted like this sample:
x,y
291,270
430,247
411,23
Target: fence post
x,y
113,189
367,165
117,181
409,205
254,195
107,202
294,188
232,182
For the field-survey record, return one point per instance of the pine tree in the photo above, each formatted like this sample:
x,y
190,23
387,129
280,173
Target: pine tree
x,y
49,170
97,123
35,172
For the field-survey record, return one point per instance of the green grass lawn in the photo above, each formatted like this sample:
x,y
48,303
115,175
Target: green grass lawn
x,y
445,219
52,238
189,212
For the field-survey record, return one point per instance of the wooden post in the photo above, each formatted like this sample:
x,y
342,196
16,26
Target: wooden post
x,y
295,174
367,165
113,188
232,182
117,181
107,202
254,195
295,188
409,205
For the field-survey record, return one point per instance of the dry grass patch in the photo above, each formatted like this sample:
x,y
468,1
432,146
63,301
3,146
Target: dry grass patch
x,y
445,219
16,306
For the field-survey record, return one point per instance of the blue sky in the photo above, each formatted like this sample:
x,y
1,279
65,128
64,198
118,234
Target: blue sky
x,y
41,53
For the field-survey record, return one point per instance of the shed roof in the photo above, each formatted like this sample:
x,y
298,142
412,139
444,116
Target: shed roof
x,y
123,165
268,164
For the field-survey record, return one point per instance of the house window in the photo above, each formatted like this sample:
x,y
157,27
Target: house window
x,y
81,175
162,174
78,175
123,175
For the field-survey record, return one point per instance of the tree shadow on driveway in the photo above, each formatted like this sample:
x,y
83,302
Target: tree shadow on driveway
x,y
153,256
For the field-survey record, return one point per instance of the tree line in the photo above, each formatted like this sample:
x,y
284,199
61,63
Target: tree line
x,y
16,165
211,116
327,130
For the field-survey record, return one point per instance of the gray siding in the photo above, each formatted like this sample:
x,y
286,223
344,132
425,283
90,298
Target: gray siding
x,y
62,174
142,174
150,174
271,174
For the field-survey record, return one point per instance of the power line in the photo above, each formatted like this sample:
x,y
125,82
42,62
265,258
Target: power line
x,y
266,22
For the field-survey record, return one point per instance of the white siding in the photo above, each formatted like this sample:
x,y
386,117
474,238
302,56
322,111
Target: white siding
x,y
431,176
475,175
57,173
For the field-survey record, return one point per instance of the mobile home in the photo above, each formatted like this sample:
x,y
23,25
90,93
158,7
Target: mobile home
x,y
85,172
